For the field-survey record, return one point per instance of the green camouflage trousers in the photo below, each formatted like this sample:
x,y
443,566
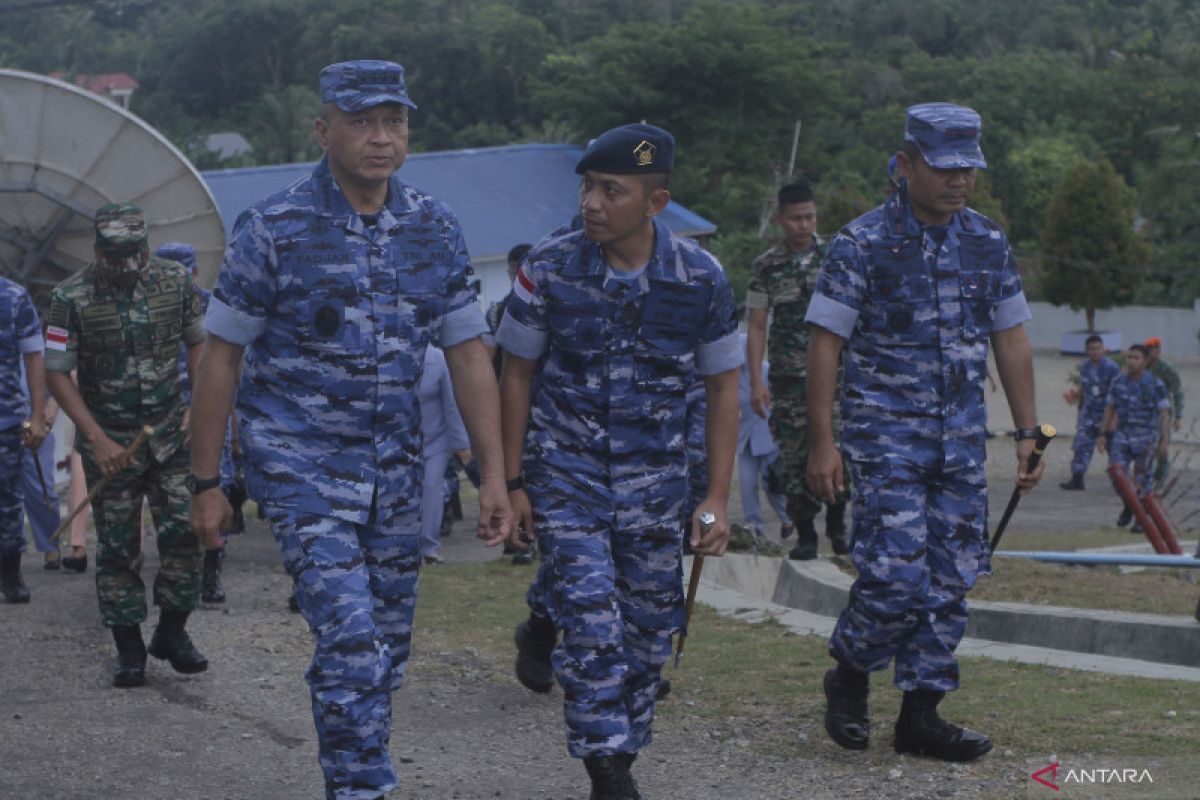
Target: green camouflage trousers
x,y
789,427
117,511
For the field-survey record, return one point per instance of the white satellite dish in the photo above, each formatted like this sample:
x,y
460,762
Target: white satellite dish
x,y
65,152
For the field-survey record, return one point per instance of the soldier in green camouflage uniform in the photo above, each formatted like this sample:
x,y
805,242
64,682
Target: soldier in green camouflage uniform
x,y
782,281
1170,378
119,322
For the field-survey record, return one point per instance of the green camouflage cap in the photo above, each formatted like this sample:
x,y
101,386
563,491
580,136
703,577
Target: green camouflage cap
x,y
120,227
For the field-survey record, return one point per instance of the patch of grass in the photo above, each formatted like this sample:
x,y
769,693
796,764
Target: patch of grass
x,y
763,683
1019,580
1070,540
1156,591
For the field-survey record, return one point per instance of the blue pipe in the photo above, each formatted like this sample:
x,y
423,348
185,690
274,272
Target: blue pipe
x,y
1112,559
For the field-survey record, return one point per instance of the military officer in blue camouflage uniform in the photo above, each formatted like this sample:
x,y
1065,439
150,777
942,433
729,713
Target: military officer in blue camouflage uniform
x,y
914,291
332,289
614,320
1137,416
1096,374
21,424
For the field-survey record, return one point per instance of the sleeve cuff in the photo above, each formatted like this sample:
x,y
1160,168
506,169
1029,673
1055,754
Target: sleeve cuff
x,y
521,340
713,358
33,344
831,315
462,324
1011,312
757,300
61,360
194,334
232,325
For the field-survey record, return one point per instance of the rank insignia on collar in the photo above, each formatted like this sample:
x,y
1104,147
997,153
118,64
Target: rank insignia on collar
x,y
644,153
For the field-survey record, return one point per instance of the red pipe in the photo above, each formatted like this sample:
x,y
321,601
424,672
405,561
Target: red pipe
x,y
1125,489
1166,528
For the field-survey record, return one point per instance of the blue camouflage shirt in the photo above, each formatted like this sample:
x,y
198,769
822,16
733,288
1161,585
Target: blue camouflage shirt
x,y
20,333
1094,380
619,352
336,317
1138,403
917,305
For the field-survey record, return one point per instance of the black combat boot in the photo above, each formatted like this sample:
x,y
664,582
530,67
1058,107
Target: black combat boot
x,y
806,542
131,656
12,585
835,528
610,778
846,719
171,642
1075,484
535,638
211,590
922,732
1125,517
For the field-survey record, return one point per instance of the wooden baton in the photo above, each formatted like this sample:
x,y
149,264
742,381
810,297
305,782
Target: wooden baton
x,y
143,436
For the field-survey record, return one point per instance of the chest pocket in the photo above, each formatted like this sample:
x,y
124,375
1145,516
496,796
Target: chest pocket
x,y
901,295
104,339
672,318
792,289
326,317
979,291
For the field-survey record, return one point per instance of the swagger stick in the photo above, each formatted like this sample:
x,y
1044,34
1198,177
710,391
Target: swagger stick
x,y
26,428
131,450
707,520
1045,434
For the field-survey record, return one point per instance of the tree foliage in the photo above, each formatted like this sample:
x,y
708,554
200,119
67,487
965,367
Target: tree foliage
x,y
1094,260
1056,82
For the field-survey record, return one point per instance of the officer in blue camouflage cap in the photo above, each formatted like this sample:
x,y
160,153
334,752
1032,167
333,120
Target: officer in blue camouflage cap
x,y
332,289
21,424
613,320
914,291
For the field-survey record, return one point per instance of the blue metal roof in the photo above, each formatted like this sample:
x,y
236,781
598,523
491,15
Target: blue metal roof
x,y
502,195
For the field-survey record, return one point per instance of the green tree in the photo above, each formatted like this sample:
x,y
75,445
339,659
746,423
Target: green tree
x,y
1092,257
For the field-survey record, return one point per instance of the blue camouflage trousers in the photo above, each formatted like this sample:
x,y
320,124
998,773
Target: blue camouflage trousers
x,y
357,587
12,528
612,582
1087,430
920,540
1135,452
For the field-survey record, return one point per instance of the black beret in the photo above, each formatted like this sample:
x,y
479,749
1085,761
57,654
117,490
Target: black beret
x,y
629,150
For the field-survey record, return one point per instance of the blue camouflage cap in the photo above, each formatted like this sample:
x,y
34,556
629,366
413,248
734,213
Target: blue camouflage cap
x,y
178,251
357,85
946,134
629,150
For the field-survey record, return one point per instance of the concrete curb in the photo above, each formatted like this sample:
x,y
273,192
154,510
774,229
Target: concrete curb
x,y
807,597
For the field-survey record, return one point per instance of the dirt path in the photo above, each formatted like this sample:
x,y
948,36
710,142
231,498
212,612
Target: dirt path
x,y
463,728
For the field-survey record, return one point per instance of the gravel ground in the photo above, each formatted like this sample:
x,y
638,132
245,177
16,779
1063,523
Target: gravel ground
x,y
243,730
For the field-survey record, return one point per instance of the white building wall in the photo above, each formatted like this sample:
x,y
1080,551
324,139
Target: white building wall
x,y
1178,327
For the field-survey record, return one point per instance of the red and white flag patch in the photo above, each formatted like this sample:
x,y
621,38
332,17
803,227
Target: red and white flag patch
x,y
56,338
523,286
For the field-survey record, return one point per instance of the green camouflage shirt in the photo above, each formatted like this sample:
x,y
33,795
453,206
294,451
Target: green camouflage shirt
x,y
125,345
783,282
1170,378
